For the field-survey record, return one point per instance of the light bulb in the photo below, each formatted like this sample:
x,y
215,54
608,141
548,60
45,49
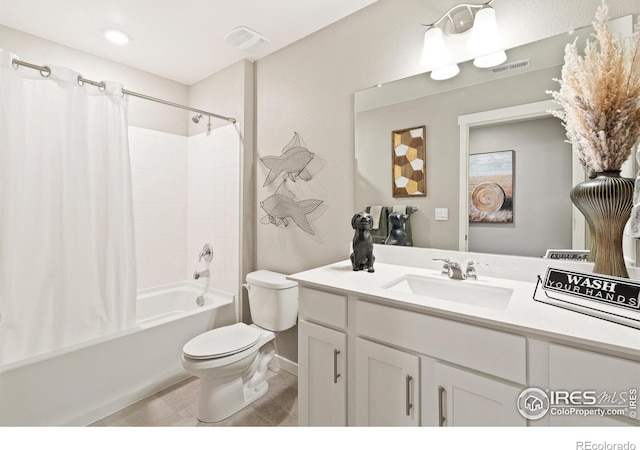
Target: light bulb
x,y
445,72
484,37
434,52
490,60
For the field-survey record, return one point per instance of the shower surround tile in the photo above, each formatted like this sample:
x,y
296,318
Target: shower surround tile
x,y
159,178
213,203
186,193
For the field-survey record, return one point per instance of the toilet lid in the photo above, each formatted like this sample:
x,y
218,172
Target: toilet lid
x,y
271,280
221,342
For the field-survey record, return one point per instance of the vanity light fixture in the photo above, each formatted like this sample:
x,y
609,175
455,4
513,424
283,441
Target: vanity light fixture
x,y
116,36
483,41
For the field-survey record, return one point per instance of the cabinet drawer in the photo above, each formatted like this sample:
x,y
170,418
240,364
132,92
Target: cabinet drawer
x,y
493,352
322,307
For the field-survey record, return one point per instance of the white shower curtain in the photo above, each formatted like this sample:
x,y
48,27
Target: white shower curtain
x,y
67,250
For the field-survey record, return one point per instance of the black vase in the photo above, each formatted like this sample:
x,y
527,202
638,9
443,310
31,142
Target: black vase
x,y
606,201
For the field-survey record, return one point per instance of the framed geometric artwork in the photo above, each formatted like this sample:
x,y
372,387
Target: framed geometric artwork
x,y
409,167
491,187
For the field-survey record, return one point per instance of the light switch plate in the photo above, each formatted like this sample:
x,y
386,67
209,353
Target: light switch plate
x,y
442,213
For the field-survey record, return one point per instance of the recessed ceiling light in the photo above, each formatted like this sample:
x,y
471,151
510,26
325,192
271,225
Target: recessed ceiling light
x,y
116,36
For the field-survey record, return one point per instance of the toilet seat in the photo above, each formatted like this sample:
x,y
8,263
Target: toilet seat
x,y
222,342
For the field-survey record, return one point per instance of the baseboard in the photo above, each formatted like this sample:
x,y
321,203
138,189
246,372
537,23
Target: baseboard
x,y
284,364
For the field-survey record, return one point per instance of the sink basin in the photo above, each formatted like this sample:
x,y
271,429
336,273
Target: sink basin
x,y
468,292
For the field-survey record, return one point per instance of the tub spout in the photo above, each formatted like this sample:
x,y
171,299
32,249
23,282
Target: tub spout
x,y
197,275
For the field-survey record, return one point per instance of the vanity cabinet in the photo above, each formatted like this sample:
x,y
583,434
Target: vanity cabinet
x,y
471,375
387,386
366,361
407,368
430,353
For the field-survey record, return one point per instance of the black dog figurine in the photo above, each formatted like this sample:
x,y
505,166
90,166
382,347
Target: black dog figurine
x,y
362,257
397,235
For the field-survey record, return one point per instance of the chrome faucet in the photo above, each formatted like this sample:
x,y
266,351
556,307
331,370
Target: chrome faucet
x,y
446,266
197,275
453,270
450,269
470,273
207,255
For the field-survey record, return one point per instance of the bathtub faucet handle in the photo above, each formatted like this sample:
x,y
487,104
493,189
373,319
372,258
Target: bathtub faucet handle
x,y
206,253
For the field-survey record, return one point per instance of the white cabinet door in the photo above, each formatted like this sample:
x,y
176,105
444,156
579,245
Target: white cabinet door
x,y
613,381
322,377
387,381
468,399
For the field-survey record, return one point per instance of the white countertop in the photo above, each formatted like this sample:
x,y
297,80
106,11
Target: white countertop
x,y
522,315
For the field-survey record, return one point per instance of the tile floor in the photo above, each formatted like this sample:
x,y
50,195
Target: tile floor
x,y
177,406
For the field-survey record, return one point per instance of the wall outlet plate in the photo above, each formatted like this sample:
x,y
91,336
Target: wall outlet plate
x,y
442,213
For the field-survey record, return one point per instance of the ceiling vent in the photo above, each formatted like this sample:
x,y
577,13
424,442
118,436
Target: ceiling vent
x,y
246,39
511,66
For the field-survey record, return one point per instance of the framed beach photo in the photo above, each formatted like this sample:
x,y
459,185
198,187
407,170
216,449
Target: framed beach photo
x,y
491,187
409,167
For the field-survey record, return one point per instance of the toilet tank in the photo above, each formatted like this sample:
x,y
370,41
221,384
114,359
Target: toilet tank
x,y
273,300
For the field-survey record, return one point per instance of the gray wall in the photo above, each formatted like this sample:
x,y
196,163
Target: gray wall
x,y
225,93
542,216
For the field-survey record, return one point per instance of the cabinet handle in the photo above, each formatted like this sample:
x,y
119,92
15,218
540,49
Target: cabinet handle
x,y
408,404
336,375
441,417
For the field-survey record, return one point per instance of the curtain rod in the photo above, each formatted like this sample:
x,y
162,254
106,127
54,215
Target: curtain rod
x,y
45,71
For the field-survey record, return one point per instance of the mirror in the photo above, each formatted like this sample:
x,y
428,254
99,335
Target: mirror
x,y
504,109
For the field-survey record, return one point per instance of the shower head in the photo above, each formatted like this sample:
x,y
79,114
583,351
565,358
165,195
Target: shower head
x,y
196,119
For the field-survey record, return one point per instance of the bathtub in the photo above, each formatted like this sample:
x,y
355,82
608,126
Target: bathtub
x,y
80,384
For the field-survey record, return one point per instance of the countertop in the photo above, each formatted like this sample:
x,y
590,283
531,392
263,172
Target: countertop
x,y
523,315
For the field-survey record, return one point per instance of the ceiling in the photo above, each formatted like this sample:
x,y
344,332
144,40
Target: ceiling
x,y
182,40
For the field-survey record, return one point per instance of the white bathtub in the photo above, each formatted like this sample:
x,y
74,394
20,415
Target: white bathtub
x,y
80,384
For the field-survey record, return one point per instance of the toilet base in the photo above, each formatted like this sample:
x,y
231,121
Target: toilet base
x,y
220,398
218,406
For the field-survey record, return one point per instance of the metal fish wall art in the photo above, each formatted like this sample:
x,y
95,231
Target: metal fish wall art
x,y
281,207
292,162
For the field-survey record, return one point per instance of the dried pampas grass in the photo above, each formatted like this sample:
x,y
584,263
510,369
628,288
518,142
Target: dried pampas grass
x,y
600,97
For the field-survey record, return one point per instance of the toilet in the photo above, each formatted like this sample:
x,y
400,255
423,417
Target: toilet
x,y
232,361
